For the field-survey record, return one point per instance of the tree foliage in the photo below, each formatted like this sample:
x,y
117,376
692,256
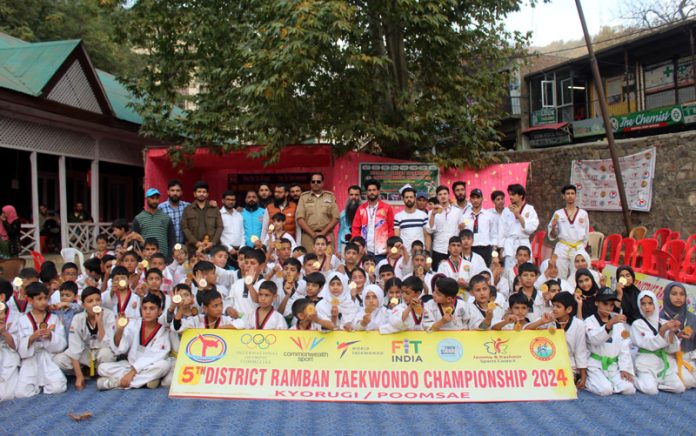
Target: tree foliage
x,y
89,20
653,13
402,78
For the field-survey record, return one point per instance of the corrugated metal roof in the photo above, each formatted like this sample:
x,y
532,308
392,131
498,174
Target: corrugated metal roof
x,y
28,68
119,97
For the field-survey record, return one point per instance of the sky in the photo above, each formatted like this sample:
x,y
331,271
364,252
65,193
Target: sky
x,y
558,20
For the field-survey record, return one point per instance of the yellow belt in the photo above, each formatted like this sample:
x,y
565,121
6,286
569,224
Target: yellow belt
x,y
679,355
571,244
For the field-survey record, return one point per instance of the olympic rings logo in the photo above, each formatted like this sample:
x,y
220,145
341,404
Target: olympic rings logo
x,y
259,341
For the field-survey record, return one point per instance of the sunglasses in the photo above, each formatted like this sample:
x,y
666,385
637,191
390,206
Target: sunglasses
x,y
316,182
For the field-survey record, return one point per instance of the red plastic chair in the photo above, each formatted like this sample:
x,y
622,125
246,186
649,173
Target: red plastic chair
x,y
676,248
627,250
687,273
538,246
611,245
643,256
673,236
662,235
38,259
665,264
691,241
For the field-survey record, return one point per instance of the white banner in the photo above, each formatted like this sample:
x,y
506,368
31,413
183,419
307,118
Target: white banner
x,y
597,188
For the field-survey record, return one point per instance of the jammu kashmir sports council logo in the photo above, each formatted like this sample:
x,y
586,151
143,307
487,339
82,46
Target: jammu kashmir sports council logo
x,y
542,349
258,340
206,348
496,346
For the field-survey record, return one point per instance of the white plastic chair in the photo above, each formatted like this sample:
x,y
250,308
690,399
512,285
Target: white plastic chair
x,y
68,255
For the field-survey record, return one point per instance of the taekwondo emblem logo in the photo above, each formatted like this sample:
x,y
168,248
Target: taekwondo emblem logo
x,y
206,348
344,346
305,344
542,349
496,346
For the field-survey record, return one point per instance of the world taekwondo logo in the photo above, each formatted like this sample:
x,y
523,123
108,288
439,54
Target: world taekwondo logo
x,y
305,344
343,346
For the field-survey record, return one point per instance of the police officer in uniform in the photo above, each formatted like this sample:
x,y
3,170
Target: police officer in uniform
x,y
317,212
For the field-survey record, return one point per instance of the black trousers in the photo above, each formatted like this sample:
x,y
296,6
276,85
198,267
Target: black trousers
x,y
485,252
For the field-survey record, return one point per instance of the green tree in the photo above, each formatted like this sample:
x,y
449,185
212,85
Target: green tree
x,y
402,78
93,21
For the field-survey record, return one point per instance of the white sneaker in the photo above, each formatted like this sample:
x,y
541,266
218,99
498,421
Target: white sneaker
x,y
154,384
104,384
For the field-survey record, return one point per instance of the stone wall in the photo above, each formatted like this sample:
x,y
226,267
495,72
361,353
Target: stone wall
x,y
674,195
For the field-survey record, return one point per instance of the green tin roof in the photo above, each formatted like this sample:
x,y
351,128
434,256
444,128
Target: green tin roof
x,y
27,67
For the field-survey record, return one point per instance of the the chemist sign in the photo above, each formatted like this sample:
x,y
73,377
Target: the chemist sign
x,y
418,367
646,120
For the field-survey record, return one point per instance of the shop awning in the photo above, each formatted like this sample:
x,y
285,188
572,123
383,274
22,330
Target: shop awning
x,y
553,126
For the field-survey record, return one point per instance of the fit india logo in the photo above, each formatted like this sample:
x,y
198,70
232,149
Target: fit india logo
x,y
344,346
406,351
206,348
305,344
542,349
496,346
258,340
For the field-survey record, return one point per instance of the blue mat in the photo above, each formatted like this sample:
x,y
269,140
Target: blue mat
x,y
146,411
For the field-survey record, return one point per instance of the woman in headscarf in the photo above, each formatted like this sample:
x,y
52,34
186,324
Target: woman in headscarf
x,y
655,338
586,298
373,313
337,305
627,292
9,232
582,260
674,306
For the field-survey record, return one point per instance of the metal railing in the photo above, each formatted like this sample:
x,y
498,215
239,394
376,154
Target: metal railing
x,y
83,236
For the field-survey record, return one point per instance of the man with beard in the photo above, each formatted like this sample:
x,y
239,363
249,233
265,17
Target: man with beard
x,y
252,218
174,207
152,222
409,224
317,213
345,220
459,190
264,195
295,192
280,204
374,221
442,224
201,223
232,223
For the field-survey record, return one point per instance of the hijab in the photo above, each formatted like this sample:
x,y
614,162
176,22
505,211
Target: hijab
x,y
653,320
346,306
589,307
670,311
11,214
379,314
630,302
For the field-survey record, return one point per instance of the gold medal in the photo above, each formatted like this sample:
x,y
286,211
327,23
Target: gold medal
x,y
177,246
394,250
688,331
176,299
544,288
334,301
122,321
371,269
17,282
248,280
144,264
448,310
418,309
97,310
491,306
310,310
518,326
194,311
625,334
578,292
316,264
43,326
394,301
552,330
466,222
271,228
203,283
555,217
370,309
2,306
623,281
278,245
254,239
494,254
352,285
429,260
122,284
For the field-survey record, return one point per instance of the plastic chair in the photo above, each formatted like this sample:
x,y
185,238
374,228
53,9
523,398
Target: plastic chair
x,y
665,264
69,254
638,233
538,246
10,268
673,236
643,256
610,247
676,248
627,251
38,260
688,267
690,241
661,235
594,243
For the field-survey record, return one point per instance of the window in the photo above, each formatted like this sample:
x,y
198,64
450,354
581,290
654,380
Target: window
x,y
548,93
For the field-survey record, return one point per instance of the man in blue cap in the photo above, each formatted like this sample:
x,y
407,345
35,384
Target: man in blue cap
x,y
154,223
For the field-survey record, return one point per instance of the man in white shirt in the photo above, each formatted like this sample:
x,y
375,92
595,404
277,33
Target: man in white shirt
x,y
571,226
410,223
443,223
232,223
483,224
518,222
459,191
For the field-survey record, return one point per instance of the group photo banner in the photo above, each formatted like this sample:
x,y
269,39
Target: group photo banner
x,y
416,367
597,188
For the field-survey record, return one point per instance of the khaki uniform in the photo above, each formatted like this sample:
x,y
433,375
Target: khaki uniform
x,y
317,212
